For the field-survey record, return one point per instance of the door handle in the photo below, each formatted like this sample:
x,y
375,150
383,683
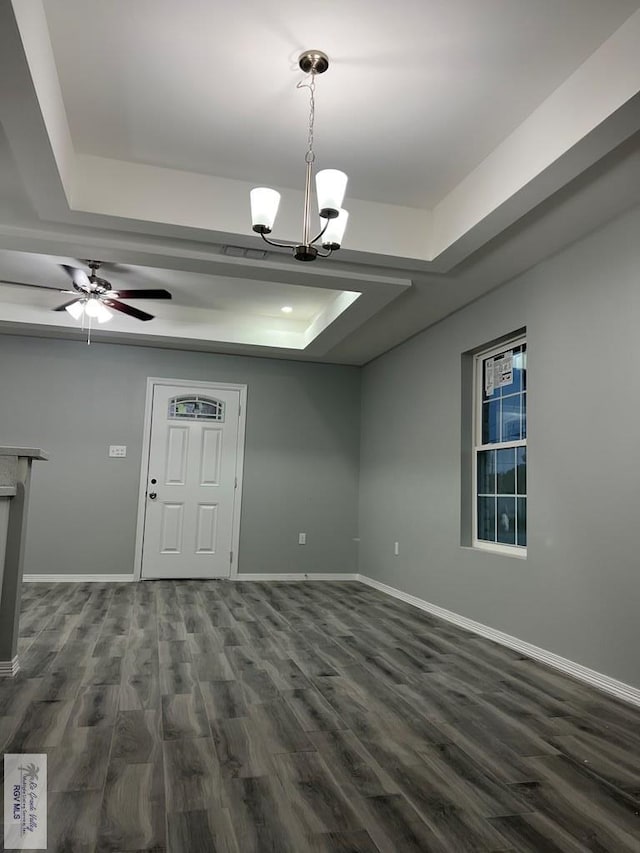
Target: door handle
x,y
152,496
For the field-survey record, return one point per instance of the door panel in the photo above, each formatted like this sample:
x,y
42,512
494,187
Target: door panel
x,y
193,458
171,529
177,449
210,453
207,530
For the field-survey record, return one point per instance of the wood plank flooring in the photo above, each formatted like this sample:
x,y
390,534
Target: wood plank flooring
x,y
291,717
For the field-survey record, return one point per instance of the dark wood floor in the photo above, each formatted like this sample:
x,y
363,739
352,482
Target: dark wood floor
x,y
294,717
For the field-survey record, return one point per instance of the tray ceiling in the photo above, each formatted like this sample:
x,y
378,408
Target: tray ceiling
x,y
132,133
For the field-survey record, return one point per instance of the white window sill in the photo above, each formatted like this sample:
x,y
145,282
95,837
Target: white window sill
x,y
505,551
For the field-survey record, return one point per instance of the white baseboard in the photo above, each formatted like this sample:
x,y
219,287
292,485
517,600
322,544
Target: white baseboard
x,y
619,689
78,578
9,668
296,576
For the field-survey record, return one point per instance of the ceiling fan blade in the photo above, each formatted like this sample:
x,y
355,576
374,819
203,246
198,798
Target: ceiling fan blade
x,y
127,309
79,277
66,305
143,294
36,286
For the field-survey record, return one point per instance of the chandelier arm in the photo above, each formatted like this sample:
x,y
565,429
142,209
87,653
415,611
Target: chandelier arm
x,y
315,239
329,252
278,245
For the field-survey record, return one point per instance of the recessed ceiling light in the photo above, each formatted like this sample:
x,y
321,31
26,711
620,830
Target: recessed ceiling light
x,y
286,309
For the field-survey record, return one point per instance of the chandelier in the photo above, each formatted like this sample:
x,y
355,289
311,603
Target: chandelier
x,y
330,187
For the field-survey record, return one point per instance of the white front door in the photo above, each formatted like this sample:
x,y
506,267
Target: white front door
x,y
191,482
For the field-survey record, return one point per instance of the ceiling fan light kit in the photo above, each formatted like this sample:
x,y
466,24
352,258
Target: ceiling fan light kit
x,y
331,186
92,307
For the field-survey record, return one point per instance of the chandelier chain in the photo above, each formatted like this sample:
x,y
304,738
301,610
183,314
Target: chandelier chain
x,y
310,156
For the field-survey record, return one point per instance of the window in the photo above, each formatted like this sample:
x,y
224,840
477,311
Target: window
x,y
196,407
500,449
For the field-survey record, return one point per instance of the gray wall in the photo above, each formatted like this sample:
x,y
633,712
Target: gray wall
x,y
301,458
578,592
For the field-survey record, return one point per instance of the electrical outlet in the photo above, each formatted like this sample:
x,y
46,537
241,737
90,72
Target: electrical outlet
x,y
118,450
302,538
396,548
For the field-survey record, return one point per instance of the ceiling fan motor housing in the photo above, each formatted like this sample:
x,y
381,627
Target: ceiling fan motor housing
x,y
101,284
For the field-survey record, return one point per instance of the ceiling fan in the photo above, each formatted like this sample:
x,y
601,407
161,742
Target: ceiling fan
x,y
94,295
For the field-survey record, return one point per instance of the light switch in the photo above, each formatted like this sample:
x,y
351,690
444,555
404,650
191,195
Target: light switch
x,y
302,538
118,450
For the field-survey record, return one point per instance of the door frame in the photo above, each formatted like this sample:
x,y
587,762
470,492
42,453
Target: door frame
x,y
144,465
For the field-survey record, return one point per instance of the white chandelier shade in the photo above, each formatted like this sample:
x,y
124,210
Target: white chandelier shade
x,y
331,185
332,237
264,208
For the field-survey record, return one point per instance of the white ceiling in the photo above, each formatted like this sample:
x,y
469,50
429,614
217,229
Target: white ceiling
x,y
478,138
418,93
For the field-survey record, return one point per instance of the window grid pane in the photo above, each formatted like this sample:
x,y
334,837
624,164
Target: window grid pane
x,y
506,520
522,470
491,422
487,472
506,471
511,417
487,519
521,522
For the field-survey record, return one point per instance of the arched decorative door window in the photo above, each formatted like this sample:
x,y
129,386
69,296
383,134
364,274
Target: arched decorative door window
x,y
195,407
